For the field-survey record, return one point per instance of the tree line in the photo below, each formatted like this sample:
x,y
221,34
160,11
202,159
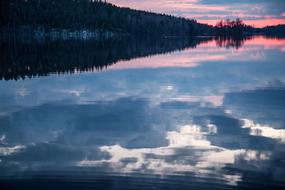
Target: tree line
x,y
232,27
103,16
94,14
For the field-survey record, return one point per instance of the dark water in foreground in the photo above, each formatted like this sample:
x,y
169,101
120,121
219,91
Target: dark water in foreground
x,y
166,114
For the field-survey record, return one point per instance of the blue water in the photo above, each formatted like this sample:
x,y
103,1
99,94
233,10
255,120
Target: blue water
x,y
209,116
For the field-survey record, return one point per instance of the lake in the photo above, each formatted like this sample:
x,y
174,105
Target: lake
x,y
174,113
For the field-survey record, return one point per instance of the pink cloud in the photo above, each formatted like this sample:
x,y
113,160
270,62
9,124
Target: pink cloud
x,y
167,6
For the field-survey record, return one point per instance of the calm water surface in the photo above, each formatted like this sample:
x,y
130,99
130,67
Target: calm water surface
x,y
175,114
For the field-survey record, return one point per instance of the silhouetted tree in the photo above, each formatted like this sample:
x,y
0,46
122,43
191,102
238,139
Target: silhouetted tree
x,y
228,27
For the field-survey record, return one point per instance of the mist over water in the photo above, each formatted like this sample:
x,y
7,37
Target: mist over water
x,y
170,113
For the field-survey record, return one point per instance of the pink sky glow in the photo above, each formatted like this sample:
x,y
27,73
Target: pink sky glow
x,y
253,12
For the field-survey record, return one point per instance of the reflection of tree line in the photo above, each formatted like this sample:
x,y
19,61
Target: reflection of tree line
x,y
238,41
19,60
231,41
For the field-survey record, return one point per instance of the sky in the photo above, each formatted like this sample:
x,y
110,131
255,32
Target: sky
x,y
258,13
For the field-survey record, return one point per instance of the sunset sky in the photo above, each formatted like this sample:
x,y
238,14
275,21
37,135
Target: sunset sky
x,y
254,12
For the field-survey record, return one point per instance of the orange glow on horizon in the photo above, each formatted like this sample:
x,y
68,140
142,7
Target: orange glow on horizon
x,y
266,22
255,23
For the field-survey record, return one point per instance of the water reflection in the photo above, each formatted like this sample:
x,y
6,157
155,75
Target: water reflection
x,y
216,123
229,41
20,60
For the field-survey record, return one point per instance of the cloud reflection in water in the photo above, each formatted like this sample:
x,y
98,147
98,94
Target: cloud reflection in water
x,y
162,121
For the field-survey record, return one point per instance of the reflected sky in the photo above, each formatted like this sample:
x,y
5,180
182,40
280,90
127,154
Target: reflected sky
x,y
212,113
